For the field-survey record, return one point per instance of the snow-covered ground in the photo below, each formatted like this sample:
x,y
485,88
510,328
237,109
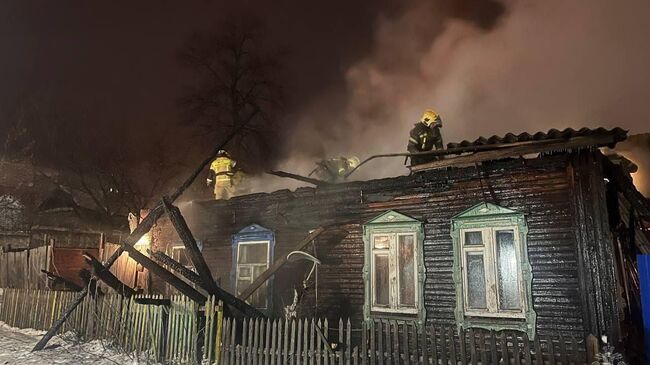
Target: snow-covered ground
x,y
16,345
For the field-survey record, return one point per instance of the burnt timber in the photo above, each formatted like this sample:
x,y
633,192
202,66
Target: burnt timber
x,y
561,193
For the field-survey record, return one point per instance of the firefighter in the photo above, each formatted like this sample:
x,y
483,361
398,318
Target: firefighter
x,y
425,136
222,171
334,169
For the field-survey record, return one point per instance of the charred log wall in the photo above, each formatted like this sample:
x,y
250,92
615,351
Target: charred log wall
x,y
541,188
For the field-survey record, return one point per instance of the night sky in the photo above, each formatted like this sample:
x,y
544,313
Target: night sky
x,y
357,73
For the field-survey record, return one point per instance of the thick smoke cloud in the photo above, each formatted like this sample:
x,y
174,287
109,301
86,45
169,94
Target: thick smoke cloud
x,y
545,64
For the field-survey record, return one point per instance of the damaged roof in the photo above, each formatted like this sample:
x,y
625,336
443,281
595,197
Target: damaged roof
x,y
619,134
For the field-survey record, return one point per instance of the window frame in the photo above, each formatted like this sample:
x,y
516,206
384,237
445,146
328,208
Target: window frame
x,y
490,257
239,265
394,225
394,272
489,219
254,234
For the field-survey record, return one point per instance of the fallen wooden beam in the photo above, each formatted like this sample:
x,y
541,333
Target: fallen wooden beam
x,y
191,248
154,301
206,281
266,275
57,278
142,228
107,276
299,178
518,150
164,274
188,274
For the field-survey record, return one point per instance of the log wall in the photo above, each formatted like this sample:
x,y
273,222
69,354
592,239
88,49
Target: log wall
x,y
542,188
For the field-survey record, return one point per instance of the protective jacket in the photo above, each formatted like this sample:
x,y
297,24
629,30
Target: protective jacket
x,y
333,170
423,138
222,172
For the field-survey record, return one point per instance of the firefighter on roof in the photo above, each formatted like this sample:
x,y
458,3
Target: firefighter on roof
x,y
425,137
334,169
222,171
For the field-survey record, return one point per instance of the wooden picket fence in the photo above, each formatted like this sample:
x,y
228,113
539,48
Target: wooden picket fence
x,y
184,333
160,333
267,342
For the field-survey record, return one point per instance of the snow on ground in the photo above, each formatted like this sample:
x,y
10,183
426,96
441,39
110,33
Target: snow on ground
x,y
16,345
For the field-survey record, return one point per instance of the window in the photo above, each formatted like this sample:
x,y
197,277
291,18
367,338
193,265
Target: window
x,y
394,270
252,252
252,260
491,269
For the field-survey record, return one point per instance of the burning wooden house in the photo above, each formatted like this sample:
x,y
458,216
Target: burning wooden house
x,y
533,233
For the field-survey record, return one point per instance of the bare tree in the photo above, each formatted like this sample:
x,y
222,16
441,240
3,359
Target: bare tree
x,y
234,82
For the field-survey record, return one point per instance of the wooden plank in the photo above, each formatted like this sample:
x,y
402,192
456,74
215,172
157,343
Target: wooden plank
x,y
380,342
373,353
505,358
515,349
292,345
299,344
107,277
462,346
285,343
340,341
434,345
527,358
563,352
364,343
482,348
164,274
539,356
263,277
443,345
452,346
305,343
396,338
551,350
348,341
191,248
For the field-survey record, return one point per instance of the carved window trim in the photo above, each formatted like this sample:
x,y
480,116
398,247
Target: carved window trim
x,y
490,218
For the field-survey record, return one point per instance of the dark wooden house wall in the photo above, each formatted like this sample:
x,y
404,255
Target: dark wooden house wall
x,y
543,188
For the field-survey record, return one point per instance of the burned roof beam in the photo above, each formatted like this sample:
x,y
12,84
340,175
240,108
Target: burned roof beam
x,y
205,276
188,274
299,178
57,278
105,275
191,248
164,274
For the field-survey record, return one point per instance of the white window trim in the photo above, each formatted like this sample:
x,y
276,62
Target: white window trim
x,y
238,265
489,261
393,257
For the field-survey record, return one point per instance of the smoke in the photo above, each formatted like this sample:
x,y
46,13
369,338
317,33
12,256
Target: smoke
x,y
637,149
545,64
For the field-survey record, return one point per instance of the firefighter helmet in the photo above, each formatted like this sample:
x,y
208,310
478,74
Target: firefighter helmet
x,y
353,162
429,117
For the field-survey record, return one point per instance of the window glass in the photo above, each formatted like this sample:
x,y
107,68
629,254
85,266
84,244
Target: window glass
x,y
253,253
382,242
382,289
507,270
406,270
474,238
476,282
244,271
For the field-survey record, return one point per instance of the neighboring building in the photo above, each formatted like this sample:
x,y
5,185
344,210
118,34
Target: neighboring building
x,y
486,239
43,227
